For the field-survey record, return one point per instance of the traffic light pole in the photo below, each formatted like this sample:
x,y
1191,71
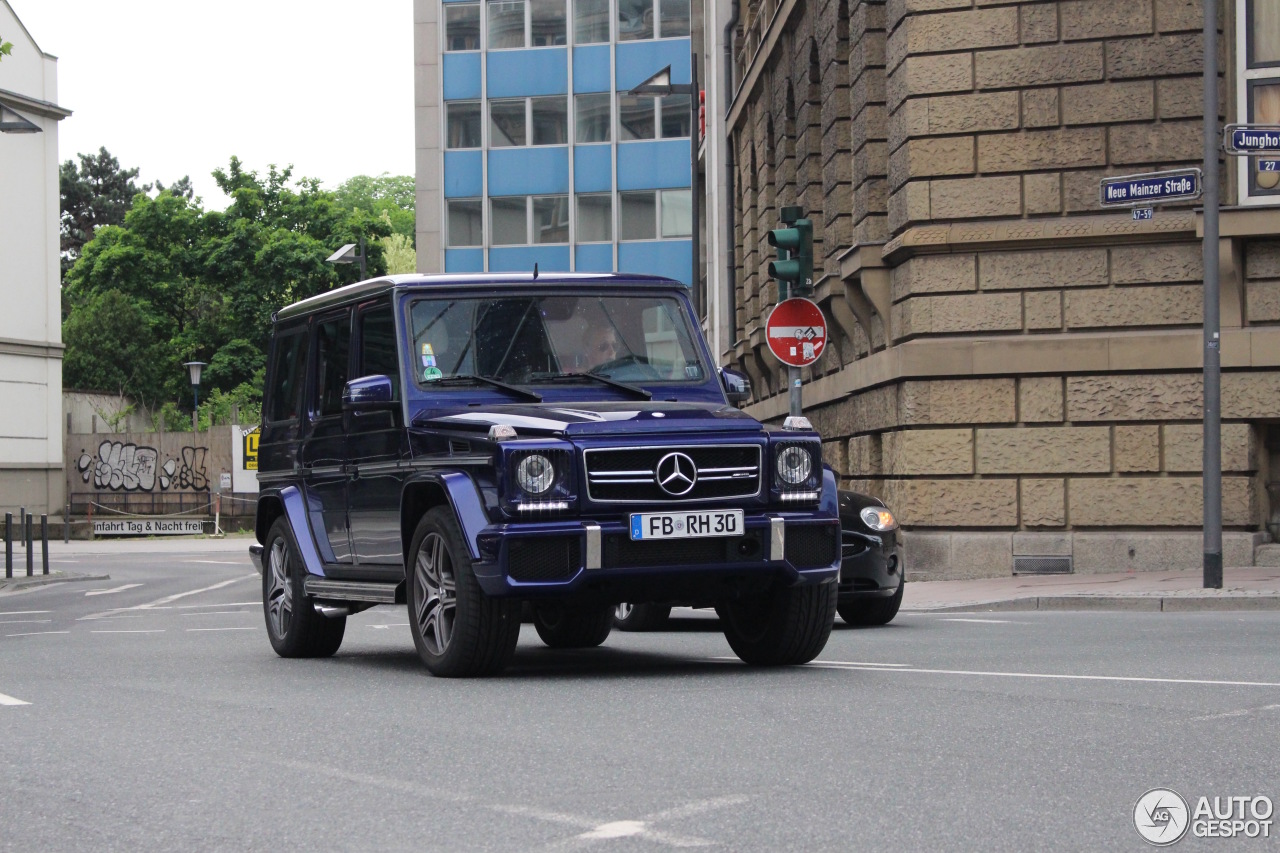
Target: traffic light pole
x,y
793,271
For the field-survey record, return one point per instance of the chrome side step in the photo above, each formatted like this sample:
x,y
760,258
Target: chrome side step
x,y
377,592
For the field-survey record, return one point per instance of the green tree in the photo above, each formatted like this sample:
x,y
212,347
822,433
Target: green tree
x,y
97,193
6,48
393,195
112,346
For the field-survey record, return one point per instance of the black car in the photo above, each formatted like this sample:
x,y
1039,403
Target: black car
x,y
871,573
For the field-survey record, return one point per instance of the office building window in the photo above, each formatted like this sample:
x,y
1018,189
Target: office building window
x,y
551,219
639,216
590,21
463,121
509,221
677,213
592,121
549,118
507,123
462,26
637,19
641,117
547,24
595,218
506,24
464,223
636,118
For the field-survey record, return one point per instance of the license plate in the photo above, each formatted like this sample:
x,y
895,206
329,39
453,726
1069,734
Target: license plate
x,y
686,525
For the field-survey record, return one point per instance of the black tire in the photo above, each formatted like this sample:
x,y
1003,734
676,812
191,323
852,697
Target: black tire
x,y
870,612
563,627
294,627
459,631
641,617
785,627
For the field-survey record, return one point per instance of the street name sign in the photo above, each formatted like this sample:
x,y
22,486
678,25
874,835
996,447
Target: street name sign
x,y
796,332
1245,139
1151,188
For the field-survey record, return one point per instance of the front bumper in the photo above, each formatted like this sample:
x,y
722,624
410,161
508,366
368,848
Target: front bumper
x,y
561,558
871,567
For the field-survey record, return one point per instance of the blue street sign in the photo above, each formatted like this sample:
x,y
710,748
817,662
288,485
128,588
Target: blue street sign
x,y
1269,165
1151,188
1143,213
1241,139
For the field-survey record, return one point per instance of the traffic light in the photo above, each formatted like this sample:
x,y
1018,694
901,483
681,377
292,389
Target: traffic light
x,y
793,267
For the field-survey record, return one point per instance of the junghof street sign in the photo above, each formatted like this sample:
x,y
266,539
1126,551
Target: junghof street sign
x,y
1242,140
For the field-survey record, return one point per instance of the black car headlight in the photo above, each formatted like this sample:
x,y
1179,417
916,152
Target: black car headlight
x,y
537,479
878,518
797,470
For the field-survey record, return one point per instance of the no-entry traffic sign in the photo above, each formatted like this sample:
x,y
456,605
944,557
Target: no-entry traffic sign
x,y
796,332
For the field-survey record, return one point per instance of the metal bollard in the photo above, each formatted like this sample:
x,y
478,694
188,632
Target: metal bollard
x,y
31,563
8,544
44,541
66,525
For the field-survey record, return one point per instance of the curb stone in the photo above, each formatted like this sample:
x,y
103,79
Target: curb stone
x,y
1150,603
24,582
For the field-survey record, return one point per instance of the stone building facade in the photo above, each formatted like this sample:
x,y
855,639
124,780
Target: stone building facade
x,y
1016,371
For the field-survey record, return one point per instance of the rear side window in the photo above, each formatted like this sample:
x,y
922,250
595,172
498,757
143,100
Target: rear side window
x,y
286,370
333,359
378,353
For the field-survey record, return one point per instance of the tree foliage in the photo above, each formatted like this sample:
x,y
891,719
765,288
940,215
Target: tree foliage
x,y
96,193
6,48
392,195
172,282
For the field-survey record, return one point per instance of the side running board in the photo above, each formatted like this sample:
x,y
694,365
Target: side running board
x,y
334,590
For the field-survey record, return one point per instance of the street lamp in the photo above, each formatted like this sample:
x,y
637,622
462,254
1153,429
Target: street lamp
x,y
195,367
348,255
660,85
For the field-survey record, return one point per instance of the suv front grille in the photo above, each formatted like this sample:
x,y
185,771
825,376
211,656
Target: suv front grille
x,y
811,546
630,474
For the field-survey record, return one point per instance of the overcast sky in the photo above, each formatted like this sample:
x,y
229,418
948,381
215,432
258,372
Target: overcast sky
x,y
175,87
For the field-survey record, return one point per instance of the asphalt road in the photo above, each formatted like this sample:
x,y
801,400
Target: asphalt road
x,y
158,718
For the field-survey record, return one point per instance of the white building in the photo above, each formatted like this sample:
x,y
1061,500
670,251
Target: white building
x,y
30,322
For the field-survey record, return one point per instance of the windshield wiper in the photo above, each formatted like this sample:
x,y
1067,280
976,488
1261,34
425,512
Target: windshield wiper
x,y
633,389
473,378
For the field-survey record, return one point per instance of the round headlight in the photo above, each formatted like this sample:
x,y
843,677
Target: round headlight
x,y
794,465
878,518
535,474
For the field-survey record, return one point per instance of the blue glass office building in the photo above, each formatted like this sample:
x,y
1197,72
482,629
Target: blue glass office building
x,y
546,158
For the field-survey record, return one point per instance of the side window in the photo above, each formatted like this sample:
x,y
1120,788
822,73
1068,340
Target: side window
x,y
333,349
286,368
378,353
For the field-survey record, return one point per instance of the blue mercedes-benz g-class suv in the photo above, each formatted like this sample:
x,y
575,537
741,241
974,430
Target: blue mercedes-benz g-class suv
x,y
468,444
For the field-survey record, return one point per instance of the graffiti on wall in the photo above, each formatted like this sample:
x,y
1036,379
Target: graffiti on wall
x,y
129,467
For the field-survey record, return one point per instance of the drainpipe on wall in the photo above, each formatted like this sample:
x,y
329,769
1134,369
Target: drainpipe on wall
x,y
730,261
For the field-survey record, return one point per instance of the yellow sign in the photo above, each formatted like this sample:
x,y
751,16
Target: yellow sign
x,y
251,450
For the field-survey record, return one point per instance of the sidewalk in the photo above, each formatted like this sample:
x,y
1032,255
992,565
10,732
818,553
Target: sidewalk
x,y
77,549
1250,588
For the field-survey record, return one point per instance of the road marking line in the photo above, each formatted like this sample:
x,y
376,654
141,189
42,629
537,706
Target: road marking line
x,y
736,659
232,604
1244,712
978,621
131,631
22,621
23,612
220,629
223,613
9,700
37,633
218,562
109,591
391,625
169,599
1051,675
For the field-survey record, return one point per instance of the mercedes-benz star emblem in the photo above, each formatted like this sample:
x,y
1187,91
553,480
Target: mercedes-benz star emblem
x,y
676,474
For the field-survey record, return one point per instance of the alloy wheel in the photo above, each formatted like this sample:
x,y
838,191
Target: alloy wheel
x,y
280,590
435,596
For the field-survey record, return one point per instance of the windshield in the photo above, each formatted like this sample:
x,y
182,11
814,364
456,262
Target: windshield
x,y
530,339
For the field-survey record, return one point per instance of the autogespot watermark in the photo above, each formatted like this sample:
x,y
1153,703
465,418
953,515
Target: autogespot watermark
x,y
1162,817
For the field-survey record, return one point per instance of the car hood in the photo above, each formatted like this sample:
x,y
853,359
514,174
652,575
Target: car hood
x,y
611,418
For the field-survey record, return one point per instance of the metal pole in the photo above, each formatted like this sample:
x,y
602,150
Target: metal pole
x,y
195,413
694,194
31,562
793,379
44,542
363,273
1212,486
8,544
66,526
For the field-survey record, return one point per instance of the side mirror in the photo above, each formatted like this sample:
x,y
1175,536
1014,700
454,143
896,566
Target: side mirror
x,y
737,387
369,393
